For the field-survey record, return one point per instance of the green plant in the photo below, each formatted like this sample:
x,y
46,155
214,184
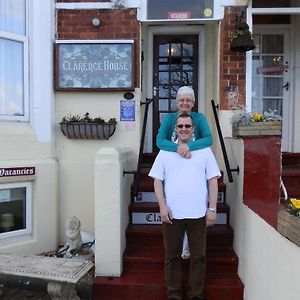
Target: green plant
x,y
86,119
244,117
240,32
293,206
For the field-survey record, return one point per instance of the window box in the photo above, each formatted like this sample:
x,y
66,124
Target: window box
x,y
78,130
257,129
289,226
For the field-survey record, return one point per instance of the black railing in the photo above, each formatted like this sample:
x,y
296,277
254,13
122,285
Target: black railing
x,y
226,161
137,173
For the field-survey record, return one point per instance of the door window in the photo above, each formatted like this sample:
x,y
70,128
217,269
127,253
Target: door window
x,y
175,65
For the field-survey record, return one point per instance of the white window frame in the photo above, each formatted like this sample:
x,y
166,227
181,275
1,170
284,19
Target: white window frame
x,y
24,40
28,230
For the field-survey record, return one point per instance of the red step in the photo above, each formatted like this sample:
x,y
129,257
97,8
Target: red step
x,y
152,207
138,258
151,235
291,159
150,286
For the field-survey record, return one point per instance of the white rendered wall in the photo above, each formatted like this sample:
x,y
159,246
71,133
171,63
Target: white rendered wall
x,y
44,207
268,263
76,158
31,143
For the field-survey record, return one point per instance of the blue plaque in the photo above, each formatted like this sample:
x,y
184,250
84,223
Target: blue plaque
x,y
127,110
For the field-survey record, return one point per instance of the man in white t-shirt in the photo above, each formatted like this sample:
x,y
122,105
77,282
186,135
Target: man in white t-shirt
x,y
183,187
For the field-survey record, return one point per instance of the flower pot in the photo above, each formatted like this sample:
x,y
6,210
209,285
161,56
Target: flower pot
x,y
79,130
289,226
257,129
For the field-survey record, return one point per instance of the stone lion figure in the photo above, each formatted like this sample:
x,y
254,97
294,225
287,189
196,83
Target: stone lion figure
x,y
73,235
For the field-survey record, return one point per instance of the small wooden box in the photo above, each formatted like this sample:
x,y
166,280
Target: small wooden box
x,y
257,129
289,226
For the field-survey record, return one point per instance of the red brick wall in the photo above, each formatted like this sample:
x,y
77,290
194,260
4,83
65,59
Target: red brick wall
x,y
116,24
233,65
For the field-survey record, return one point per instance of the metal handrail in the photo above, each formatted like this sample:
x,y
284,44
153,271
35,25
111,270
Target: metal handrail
x,y
226,161
137,173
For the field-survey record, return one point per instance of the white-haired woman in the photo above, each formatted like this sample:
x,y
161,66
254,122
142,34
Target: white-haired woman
x,y
166,138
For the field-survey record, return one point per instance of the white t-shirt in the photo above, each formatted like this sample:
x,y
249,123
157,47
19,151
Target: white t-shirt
x,y
185,181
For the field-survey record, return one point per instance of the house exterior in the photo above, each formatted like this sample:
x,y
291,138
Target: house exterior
x,y
49,70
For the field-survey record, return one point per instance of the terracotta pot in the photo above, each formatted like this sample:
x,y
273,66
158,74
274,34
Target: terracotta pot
x,y
77,130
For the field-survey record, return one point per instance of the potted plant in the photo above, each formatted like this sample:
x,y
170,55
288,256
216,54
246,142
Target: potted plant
x,y
241,39
245,123
77,127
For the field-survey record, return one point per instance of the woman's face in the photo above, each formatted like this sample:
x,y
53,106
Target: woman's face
x,y
185,103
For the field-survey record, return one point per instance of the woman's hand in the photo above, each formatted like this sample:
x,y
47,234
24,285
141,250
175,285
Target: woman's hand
x,y
184,151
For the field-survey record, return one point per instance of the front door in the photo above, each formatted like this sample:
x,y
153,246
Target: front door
x,y
271,75
175,63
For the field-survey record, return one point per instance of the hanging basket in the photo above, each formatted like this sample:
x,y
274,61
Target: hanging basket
x,y
78,130
242,44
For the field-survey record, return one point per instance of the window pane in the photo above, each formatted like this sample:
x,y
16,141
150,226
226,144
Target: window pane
x,y
12,209
272,43
12,16
163,104
272,87
164,50
170,9
11,78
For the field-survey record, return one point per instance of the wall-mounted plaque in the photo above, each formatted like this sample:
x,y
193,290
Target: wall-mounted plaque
x,y
94,66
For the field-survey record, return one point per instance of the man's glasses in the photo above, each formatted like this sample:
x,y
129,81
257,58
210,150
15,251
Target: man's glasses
x,y
184,125
185,100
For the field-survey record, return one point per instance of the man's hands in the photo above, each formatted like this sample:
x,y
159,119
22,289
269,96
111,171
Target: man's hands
x,y
165,214
184,151
210,218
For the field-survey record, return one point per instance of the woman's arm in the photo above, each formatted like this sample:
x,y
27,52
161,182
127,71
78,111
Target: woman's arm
x,y
203,137
163,138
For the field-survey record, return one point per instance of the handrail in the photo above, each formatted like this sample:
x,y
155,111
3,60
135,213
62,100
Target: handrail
x,y
227,165
137,173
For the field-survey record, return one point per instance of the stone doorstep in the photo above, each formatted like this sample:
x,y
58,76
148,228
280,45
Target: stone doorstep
x,y
61,273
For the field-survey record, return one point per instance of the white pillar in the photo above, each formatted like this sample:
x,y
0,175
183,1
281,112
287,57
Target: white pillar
x,y
112,197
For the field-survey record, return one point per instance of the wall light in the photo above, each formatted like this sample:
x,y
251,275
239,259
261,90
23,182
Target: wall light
x,y
96,22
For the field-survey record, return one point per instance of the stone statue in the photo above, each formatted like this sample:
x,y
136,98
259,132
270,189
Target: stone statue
x,y
74,240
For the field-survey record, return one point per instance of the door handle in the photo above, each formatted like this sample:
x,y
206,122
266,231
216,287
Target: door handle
x,y
286,86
